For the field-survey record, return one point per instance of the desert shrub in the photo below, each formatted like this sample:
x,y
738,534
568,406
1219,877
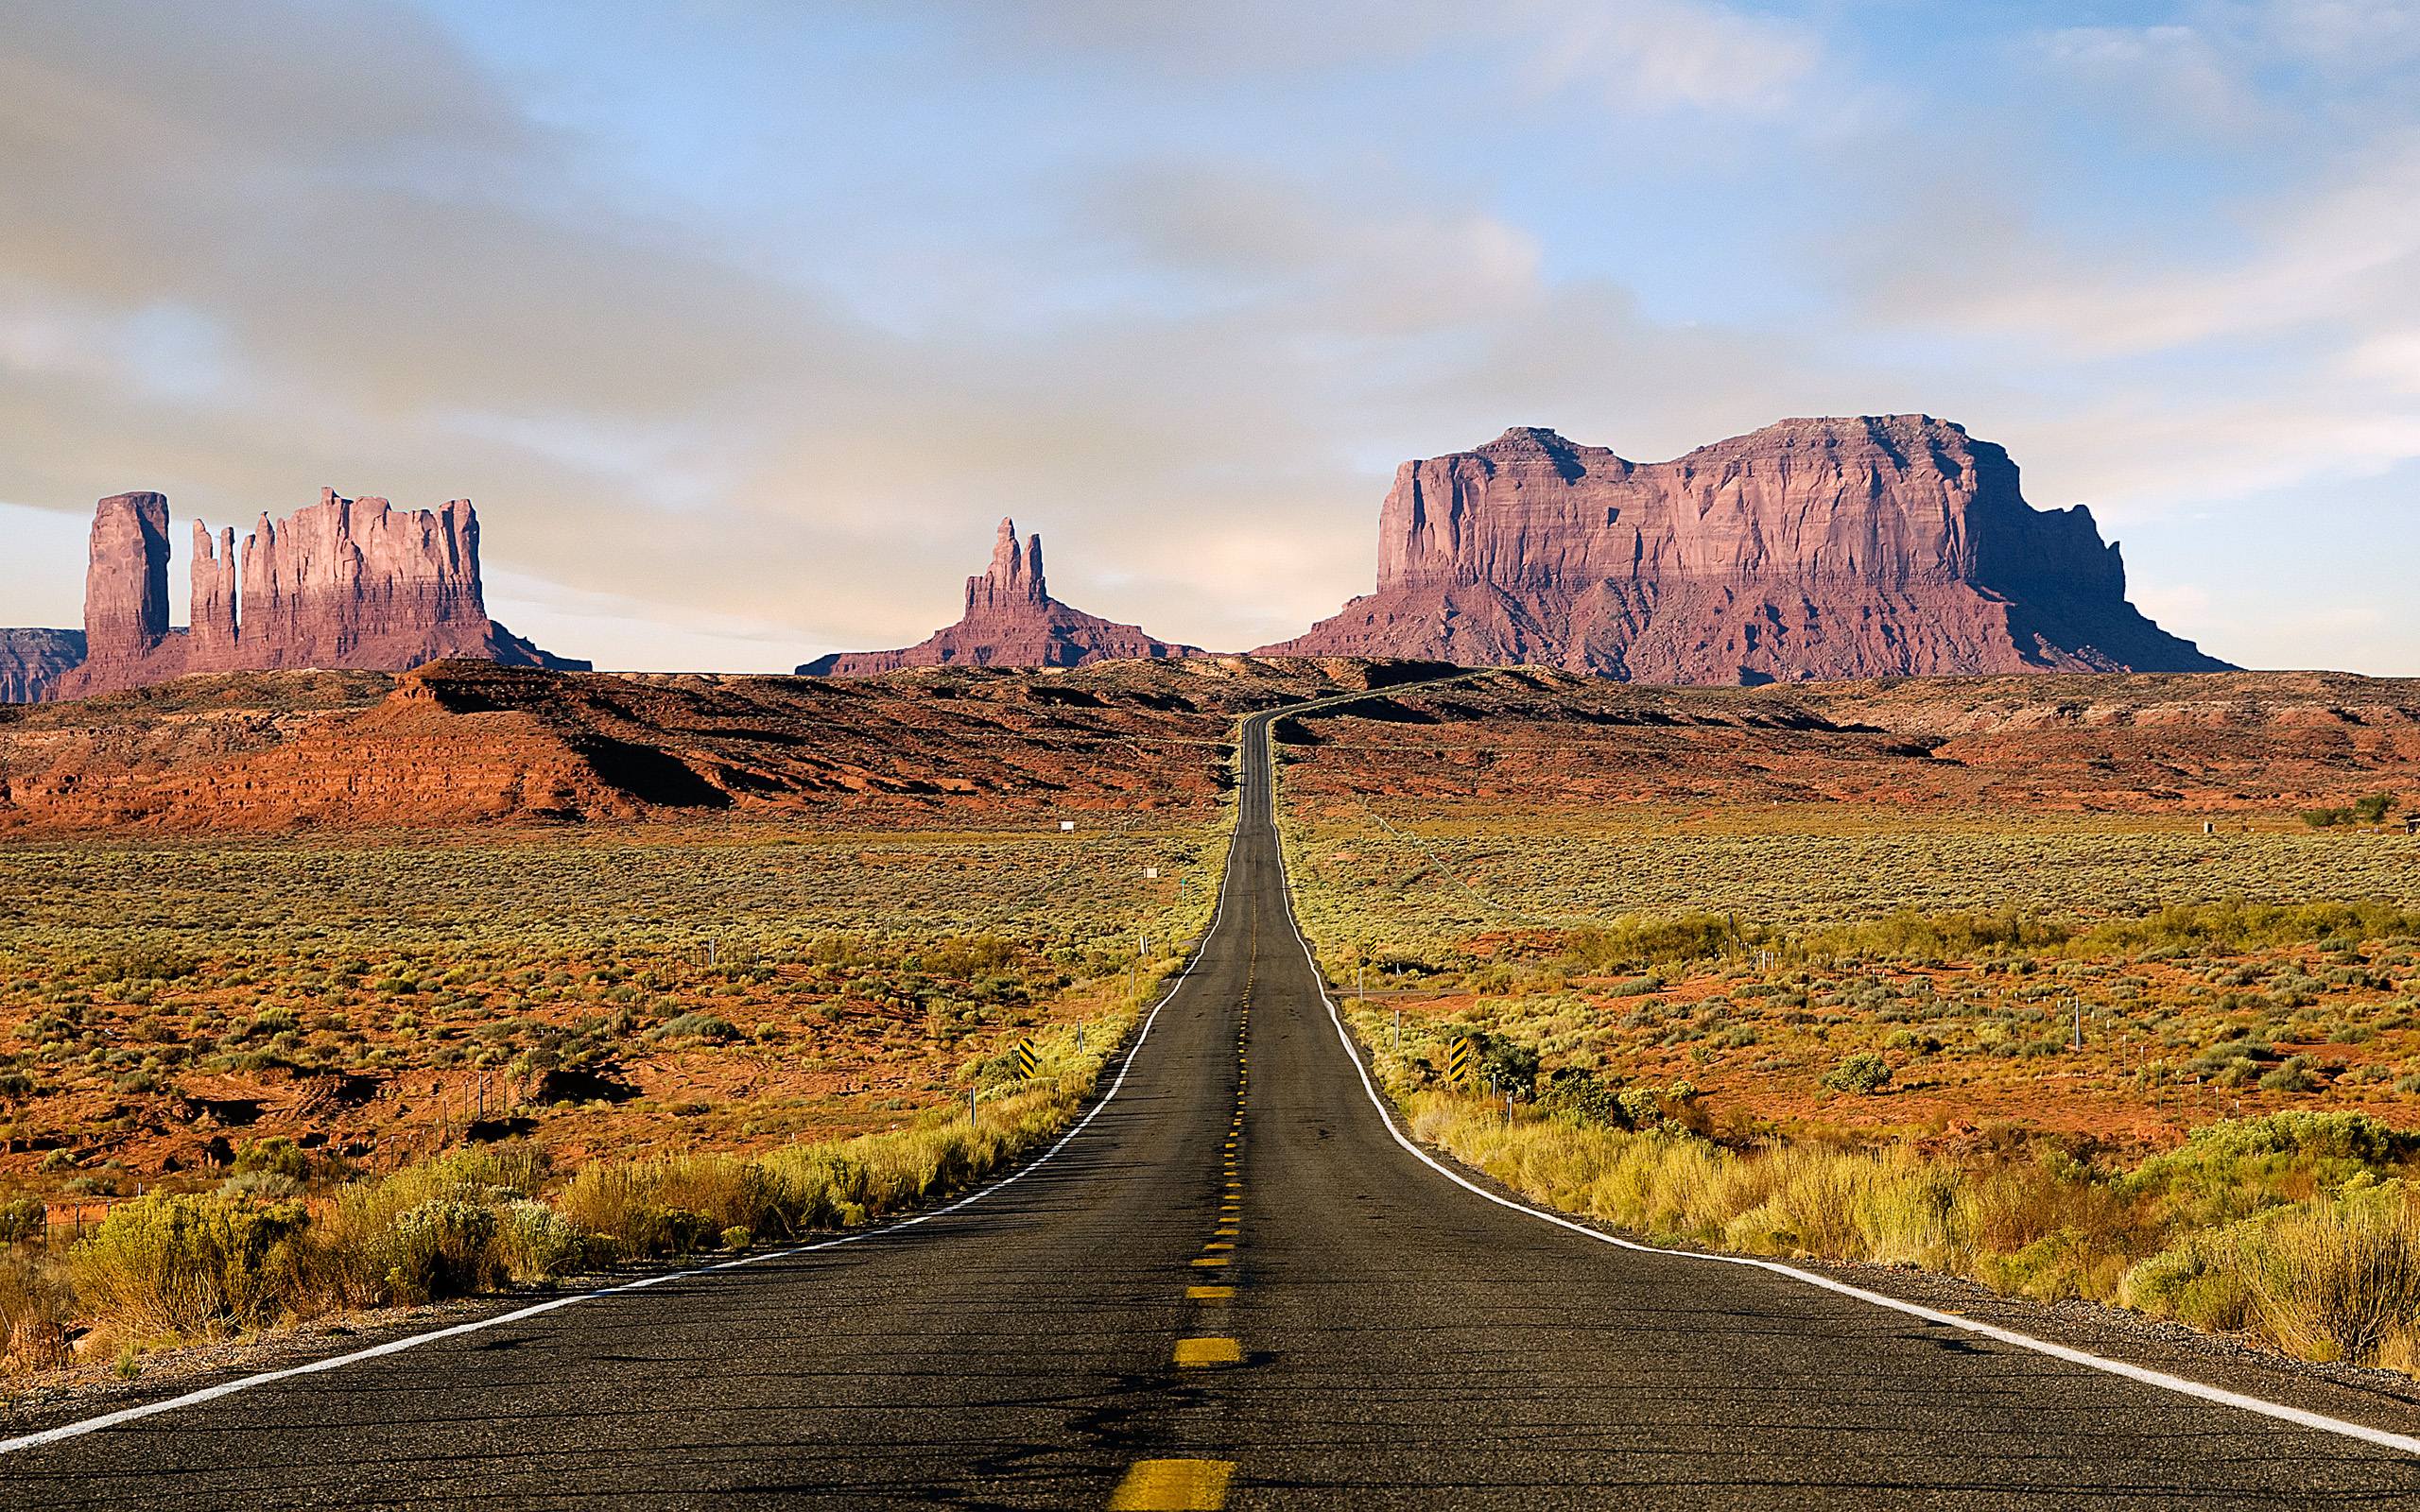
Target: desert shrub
x,y
169,1265
1864,1073
35,1312
1910,933
2291,1076
2237,926
276,1155
2234,1168
1651,941
439,1248
144,965
2342,1276
2062,1265
265,1186
2204,1279
707,1026
23,1218
1506,1063
1583,1096
407,1236
534,1242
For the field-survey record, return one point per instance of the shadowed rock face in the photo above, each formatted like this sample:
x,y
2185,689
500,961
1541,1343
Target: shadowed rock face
x,y
350,583
1010,621
1813,549
31,660
125,576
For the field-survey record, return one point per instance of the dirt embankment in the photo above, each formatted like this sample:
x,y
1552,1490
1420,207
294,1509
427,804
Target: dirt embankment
x,y
459,742
462,742
2211,742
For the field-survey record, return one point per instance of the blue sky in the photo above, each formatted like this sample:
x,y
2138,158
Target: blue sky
x,y
743,323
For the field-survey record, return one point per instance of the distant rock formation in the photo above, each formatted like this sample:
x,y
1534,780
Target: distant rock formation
x,y
31,660
1010,621
1813,549
349,583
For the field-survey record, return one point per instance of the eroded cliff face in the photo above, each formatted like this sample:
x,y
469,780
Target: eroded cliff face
x,y
1813,549
1010,621
345,583
125,576
31,660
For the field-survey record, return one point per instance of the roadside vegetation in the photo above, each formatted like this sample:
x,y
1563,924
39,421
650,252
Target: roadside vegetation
x,y
263,1248
2299,1230
251,1084
162,1006
2106,1058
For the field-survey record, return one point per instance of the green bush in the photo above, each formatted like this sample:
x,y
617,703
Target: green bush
x,y
707,1026
534,1242
1863,1073
1584,1098
178,1265
276,1155
23,1218
2343,1277
2201,1279
2293,1076
441,1248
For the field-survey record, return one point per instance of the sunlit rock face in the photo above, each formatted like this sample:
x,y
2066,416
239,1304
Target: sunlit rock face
x,y
1010,621
1813,549
344,583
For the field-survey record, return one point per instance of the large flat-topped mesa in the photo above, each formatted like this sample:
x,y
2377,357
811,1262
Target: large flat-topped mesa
x,y
1010,621
343,583
1813,549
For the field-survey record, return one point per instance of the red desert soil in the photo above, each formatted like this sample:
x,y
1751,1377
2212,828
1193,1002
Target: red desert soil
x,y
2116,743
459,742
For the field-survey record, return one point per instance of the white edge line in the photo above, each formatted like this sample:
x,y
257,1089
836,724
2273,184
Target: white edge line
x,y
2161,1379
229,1388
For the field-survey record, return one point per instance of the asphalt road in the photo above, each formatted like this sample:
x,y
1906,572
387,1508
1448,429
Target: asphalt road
x,y
1368,1335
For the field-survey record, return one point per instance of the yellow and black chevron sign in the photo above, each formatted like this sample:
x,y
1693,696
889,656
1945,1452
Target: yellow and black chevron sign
x,y
1458,1058
1028,1062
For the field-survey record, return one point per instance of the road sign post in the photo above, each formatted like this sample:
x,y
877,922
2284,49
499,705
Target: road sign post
x,y
1458,1059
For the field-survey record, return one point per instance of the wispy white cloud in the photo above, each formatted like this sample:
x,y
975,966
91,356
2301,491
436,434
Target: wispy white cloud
x,y
1660,55
2176,74
1247,257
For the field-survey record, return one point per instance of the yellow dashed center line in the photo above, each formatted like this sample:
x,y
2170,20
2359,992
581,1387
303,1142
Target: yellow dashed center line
x,y
1209,1293
1208,1352
1173,1486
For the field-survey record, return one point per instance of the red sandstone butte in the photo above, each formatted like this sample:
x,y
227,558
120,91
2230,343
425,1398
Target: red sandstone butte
x,y
1010,621
350,583
31,660
1810,550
